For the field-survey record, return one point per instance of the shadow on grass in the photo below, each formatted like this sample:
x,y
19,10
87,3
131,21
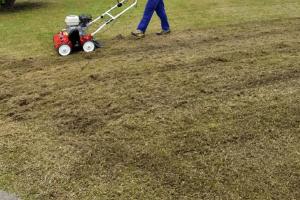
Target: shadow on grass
x,y
24,6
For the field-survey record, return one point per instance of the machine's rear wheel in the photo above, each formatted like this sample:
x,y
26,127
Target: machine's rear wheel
x,y
64,50
89,46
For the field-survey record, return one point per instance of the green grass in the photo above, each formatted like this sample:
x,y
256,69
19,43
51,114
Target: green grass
x,y
28,31
208,112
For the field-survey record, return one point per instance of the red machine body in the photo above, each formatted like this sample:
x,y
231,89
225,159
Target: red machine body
x,y
62,38
86,38
65,43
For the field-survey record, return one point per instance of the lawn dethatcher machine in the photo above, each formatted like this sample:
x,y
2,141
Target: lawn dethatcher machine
x,y
75,35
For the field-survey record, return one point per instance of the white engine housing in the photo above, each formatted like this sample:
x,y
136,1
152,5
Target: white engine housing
x,y
72,20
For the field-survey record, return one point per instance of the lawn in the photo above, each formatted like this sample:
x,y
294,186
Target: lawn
x,y
28,31
208,112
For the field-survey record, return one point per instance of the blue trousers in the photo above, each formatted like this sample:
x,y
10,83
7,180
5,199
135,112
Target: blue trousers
x,y
159,7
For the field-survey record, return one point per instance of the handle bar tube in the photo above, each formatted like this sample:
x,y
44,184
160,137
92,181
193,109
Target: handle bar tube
x,y
112,17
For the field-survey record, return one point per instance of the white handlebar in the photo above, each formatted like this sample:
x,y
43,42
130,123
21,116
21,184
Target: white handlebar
x,y
111,17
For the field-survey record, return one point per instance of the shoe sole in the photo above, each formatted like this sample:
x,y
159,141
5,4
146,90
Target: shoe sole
x,y
137,37
166,33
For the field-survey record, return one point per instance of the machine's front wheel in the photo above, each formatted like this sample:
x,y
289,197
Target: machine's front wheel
x,y
89,46
64,50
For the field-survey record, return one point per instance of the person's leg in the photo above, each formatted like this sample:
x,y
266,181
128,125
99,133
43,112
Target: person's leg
x,y
161,12
148,13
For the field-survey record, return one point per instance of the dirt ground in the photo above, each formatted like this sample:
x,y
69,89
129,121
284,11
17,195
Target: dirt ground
x,y
199,114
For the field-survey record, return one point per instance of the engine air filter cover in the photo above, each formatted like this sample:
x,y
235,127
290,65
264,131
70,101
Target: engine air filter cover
x,y
72,20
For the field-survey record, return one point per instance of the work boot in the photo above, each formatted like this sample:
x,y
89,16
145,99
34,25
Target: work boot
x,y
138,34
164,32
